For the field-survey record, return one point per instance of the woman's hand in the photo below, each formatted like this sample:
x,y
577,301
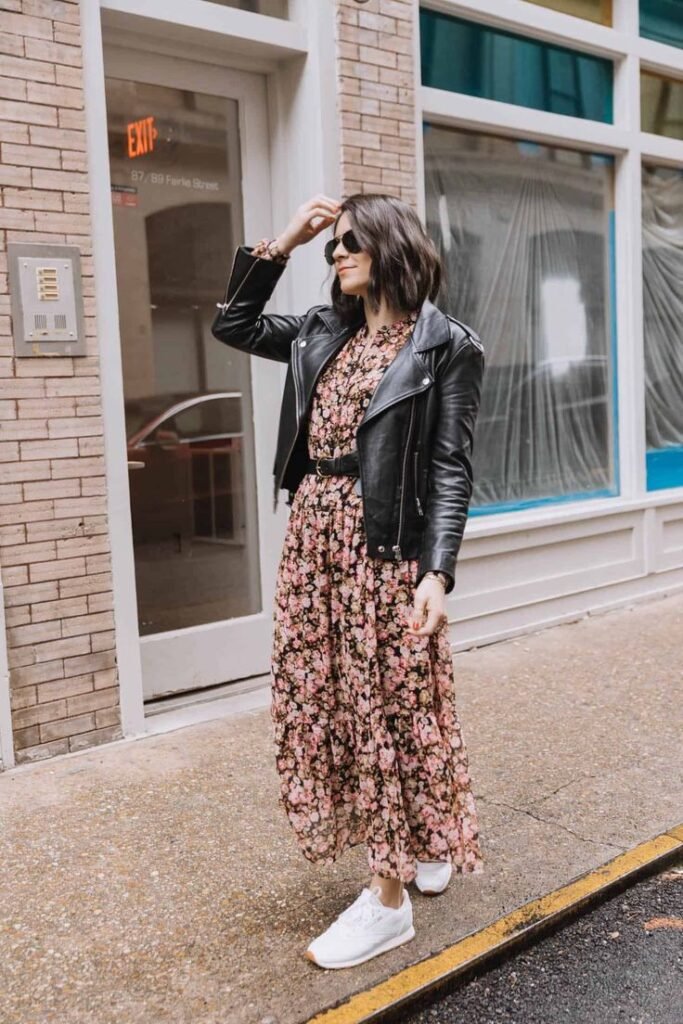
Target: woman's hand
x,y
310,219
430,599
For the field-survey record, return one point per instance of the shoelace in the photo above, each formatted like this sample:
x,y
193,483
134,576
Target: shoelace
x,y
364,911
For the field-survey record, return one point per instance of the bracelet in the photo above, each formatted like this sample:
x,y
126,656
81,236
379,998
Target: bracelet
x,y
435,575
275,253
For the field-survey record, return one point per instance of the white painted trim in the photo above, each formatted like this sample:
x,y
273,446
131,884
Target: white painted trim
x,y
111,375
661,150
7,759
477,114
536,22
198,21
668,60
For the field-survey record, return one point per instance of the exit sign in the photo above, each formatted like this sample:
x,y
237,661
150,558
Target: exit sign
x,y
141,136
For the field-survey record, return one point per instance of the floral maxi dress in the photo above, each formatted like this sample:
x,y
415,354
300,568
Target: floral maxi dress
x,y
369,747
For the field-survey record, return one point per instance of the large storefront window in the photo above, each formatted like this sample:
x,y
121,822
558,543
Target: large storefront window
x,y
599,11
525,232
462,56
662,20
661,104
663,317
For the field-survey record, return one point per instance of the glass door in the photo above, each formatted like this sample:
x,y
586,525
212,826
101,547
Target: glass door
x,y
177,149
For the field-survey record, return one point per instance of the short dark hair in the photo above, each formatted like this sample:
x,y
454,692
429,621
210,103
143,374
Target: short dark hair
x,y
405,268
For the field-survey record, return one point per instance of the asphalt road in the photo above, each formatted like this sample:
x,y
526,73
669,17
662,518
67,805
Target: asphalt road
x,y
622,963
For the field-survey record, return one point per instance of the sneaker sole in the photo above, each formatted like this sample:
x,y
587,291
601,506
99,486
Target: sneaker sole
x,y
431,892
384,948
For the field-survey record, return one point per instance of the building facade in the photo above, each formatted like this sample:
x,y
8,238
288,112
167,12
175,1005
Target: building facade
x,y
541,141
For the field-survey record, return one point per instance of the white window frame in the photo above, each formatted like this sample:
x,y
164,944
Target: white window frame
x,y
630,147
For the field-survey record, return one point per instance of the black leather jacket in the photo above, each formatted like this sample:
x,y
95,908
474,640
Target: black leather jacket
x,y
415,439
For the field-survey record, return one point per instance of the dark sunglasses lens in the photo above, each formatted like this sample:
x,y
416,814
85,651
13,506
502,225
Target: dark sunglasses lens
x,y
350,242
329,251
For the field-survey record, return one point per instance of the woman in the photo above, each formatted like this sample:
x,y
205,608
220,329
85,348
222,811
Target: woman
x,y
374,447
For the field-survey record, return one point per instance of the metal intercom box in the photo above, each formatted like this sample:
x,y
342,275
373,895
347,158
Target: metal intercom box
x,y
46,299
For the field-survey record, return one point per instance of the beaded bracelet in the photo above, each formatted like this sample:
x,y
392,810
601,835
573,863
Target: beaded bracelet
x,y
268,248
434,575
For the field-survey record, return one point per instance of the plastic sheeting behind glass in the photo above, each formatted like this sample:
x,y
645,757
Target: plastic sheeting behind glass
x,y
662,20
663,324
592,10
478,60
525,234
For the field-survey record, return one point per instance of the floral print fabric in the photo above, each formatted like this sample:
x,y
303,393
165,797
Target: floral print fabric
x,y
369,747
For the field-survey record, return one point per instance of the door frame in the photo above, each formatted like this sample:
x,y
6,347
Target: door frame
x,y
300,94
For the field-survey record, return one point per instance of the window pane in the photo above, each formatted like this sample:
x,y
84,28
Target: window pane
x,y
662,20
663,316
461,56
525,235
591,10
661,105
275,8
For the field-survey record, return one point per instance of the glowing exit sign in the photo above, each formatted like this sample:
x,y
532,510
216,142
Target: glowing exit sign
x,y
141,137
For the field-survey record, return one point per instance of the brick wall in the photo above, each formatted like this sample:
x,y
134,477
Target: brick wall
x,y
377,96
54,543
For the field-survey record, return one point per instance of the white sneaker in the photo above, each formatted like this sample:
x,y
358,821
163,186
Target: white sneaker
x,y
433,876
362,931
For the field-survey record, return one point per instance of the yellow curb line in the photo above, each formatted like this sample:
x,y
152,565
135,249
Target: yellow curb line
x,y
481,945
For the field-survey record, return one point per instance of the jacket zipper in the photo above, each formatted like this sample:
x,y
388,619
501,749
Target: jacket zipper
x,y
225,304
397,546
418,503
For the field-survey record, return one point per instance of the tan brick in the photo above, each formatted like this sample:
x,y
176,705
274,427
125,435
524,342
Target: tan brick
x,y
24,471
41,751
56,529
33,674
377,22
9,451
26,512
354,34
70,687
57,53
105,677
72,77
18,176
59,138
80,467
59,95
104,641
29,70
68,118
100,602
90,446
95,738
378,158
27,113
398,112
75,386
93,701
347,15
57,10
11,132
47,712
75,427
59,448
26,697
108,716
23,25
98,563
352,155
357,69
399,44
35,633
11,44
394,177
67,34
348,86
57,489
31,156
26,737
79,506
70,648
347,50
47,366
33,593
49,610
382,125
66,727
350,120
13,534
59,569
14,575
89,663
19,616
23,429
405,62
74,161
381,91
14,88
73,181
31,199
94,584
368,55
389,76
31,408
28,554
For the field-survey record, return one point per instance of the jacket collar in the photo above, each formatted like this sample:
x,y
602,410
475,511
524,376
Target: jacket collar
x,y
432,327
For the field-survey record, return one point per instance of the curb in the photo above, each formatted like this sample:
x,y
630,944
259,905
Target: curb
x,y
477,949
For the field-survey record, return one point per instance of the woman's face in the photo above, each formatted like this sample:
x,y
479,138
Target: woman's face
x,y
353,268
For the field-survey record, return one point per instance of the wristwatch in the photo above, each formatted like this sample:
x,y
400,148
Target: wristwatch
x,y
436,575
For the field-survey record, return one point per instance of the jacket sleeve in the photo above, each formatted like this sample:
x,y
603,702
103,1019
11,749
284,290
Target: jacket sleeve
x,y
450,474
240,321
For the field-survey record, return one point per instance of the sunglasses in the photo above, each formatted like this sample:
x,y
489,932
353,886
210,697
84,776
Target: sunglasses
x,y
348,240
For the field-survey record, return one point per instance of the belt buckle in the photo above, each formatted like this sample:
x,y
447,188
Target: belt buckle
x,y
317,466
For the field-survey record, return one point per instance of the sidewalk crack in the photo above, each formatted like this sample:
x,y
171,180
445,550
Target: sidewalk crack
x,y
555,824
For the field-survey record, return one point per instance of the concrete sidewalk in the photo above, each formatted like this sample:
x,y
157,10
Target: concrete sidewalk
x,y
157,880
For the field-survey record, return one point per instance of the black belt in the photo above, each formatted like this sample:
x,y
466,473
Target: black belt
x,y
345,464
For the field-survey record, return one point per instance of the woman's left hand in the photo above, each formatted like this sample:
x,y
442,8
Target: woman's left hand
x,y
430,599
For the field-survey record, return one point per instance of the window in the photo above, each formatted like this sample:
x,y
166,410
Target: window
x,y
461,56
592,10
662,319
662,20
661,105
525,233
